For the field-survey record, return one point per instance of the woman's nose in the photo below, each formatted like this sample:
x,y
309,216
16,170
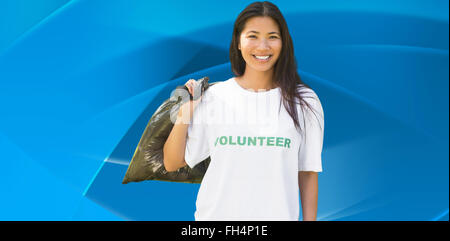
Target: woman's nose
x,y
263,44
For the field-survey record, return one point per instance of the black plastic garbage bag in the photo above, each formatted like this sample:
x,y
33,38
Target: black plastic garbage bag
x,y
147,161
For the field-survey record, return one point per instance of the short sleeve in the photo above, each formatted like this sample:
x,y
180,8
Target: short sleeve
x,y
197,148
310,151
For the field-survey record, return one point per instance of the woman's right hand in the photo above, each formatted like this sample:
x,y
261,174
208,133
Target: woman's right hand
x,y
189,106
191,85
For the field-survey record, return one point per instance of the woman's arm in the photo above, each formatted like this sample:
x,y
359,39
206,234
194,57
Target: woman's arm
x,y
175,145
308,185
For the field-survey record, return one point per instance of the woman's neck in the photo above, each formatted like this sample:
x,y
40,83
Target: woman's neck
x,y
256,80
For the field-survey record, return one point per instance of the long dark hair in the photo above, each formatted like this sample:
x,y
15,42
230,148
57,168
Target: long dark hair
x,y
285,69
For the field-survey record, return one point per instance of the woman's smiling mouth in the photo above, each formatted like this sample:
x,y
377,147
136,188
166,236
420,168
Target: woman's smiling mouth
x,y
262,58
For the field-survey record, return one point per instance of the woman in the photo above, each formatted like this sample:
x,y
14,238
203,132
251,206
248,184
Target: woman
x,y
257,167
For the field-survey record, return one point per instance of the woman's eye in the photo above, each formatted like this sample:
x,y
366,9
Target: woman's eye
x,y
253,36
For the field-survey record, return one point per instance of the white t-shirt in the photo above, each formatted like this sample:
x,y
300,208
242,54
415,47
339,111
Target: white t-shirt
x,y
255,153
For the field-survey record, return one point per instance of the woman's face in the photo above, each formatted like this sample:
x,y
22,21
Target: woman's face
x,y
260,37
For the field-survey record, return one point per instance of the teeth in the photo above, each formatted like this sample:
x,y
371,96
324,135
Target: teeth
x,y
262,57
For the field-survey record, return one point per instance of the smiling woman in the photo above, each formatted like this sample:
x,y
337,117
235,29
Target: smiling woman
x,y
255,172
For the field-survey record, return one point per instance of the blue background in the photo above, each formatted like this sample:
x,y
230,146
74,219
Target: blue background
x,y
80,79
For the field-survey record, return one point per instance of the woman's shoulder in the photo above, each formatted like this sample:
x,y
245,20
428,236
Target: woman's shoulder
x,y
217,90
311,98
220,83
218,87
307,92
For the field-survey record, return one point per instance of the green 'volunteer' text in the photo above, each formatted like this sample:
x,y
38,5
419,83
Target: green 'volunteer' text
x,y
253,141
